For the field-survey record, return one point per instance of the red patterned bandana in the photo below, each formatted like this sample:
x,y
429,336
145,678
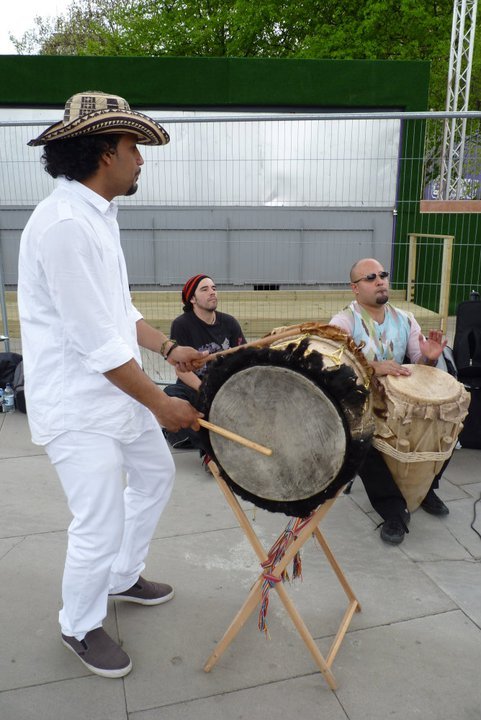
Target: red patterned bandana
x,y
190,287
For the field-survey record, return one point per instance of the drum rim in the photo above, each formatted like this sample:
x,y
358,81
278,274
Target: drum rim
x,y
331,334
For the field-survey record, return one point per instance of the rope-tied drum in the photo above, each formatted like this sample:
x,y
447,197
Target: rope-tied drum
x,y
418,420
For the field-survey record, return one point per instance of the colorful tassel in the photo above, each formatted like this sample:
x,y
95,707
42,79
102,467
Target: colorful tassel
x,y
275,555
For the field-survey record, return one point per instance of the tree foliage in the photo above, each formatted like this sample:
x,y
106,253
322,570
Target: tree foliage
x,y
373,29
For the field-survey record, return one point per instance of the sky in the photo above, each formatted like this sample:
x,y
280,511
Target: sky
x,y
17,16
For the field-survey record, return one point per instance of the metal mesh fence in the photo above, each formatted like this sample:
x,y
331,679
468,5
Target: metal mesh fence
x,y
276,208
238,161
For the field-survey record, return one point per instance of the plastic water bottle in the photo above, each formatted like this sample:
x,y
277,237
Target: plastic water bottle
x,y
1,400
8,399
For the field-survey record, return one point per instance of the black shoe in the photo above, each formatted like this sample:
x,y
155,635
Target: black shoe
x,y
146,592
434,505
394,528
100,654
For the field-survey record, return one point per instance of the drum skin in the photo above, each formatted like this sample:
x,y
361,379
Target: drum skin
x,y
285,411
313,417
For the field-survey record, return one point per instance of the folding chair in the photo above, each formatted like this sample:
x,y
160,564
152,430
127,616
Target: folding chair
x,y
307,528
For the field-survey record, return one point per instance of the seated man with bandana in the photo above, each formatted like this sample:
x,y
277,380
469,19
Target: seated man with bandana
x,y
389,335
206,328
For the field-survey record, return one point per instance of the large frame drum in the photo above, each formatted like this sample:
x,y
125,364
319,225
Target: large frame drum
x,y
305,395
418,430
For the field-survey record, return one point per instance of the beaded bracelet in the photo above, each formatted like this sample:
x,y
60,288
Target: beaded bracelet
x,y
163,346
174,345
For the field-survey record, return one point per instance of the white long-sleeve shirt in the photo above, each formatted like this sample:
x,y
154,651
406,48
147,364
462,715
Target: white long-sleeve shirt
x,y
77,318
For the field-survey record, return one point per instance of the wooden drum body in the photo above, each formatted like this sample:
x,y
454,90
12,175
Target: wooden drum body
x,y
296,395
420,426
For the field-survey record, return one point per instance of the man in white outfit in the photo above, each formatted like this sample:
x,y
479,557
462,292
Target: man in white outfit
x,y
89,402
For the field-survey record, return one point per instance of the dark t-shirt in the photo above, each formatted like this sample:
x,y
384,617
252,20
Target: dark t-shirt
x,y
190,330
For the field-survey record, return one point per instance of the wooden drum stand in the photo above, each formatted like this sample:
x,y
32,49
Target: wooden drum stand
x,y
254,598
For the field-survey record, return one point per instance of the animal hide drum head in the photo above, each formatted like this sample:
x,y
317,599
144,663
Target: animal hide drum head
x,y
287,412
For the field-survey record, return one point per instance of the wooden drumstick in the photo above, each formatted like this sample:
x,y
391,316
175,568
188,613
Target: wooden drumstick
x,y
236,438
262,342
289,332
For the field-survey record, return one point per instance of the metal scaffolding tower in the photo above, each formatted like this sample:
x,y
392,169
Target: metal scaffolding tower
x,y
459,78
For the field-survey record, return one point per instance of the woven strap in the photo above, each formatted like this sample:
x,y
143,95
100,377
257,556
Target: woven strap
x,y
411,457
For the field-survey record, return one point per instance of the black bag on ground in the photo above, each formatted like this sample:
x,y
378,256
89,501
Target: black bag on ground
x,y
467,341
447,363
470,435
467,356
8,363
18,388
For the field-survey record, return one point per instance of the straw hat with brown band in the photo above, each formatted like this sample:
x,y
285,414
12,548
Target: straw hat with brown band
x,y
99,113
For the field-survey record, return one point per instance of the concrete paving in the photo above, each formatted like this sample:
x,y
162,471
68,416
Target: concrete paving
x,y
413,652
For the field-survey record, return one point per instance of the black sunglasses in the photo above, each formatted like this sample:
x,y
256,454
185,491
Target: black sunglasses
x,y
372,276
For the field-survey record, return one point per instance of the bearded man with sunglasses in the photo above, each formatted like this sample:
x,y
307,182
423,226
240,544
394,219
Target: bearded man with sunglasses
x,y
389,335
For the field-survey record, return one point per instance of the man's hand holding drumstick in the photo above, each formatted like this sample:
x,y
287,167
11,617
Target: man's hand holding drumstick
x,y
179,412
186,359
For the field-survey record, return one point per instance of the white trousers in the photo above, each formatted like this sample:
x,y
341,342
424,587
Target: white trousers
x,y
116,493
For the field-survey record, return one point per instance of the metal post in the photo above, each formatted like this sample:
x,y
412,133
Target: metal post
x,y
445,281
3,304
410,289
457,97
